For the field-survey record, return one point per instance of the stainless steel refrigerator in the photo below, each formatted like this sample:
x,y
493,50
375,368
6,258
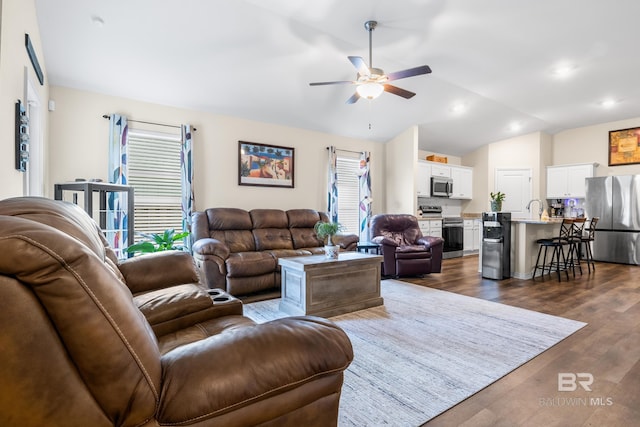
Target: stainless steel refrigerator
x,y
616,200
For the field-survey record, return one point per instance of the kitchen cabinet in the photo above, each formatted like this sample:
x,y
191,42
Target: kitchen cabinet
x,y
568,180
472,239
440,170
431,227
468,235
477,234
462,182
423,179
462,177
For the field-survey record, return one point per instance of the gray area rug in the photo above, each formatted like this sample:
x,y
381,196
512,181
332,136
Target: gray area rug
x,y
426,350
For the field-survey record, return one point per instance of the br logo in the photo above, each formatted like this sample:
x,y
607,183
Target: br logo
x,y
568,381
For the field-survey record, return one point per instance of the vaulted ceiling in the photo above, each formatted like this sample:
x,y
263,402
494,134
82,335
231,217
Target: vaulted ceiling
x,y
501,68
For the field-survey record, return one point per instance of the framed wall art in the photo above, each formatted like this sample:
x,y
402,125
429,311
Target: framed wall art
x,y
265,165
624,146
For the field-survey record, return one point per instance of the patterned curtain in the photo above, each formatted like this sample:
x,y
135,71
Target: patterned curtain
x,y
117,219
332,200
186,166
364,178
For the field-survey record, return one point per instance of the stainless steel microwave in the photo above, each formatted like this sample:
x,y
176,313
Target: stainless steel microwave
x,y
441,186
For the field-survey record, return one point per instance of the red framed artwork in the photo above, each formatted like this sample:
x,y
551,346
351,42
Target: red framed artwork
x,y
624,146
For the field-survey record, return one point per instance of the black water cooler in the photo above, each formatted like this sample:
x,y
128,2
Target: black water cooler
x,y
496,245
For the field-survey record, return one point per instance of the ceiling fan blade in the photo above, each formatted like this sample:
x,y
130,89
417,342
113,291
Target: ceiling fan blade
x,y
423,69
360,65
398,91
339,82
354,98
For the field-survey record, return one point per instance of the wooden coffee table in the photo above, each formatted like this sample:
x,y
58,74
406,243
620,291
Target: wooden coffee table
x,y
320,286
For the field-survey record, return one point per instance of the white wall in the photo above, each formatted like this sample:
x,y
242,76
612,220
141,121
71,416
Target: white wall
x,y
79,149
590,144
17,17
401,168
452,160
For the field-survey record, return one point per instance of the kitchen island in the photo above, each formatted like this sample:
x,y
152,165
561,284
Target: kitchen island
x,y
524,249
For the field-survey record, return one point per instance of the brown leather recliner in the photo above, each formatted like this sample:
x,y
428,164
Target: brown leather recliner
x,y
78,351
405,251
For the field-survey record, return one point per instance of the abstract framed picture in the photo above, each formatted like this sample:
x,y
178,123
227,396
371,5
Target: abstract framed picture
x,y
624,146
265,165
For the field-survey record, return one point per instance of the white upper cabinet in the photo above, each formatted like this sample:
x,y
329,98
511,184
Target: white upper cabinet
x,y
440,170
462,177
462,182
568,180
423,179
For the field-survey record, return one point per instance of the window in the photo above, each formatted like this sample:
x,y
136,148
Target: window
x,y
348,194
154,173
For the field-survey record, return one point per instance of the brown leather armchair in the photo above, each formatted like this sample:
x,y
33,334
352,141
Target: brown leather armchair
x,y
78,349
405,251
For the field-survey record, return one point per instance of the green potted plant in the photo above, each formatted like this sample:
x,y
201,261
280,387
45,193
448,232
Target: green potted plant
x,y
328,230
157,242
496,201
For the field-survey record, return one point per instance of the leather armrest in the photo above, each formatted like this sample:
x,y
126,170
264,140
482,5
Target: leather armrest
x,y
158,270
385,241
209,246
346,241
228,371
430,241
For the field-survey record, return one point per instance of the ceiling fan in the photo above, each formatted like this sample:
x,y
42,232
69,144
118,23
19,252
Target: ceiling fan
x,y
371,82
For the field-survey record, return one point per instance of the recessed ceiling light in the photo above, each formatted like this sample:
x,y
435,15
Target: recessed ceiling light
x,y
459,108
564,70
608,103
515,127
97,21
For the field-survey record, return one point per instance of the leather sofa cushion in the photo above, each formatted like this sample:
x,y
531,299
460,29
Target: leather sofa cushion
x,y
286,253
272,238
313,250
302,218
304,238
395,236
228,219
411,248
269,218
244,264
236,240
201,331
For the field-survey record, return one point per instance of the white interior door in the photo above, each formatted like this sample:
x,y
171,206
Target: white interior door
x,y
516,185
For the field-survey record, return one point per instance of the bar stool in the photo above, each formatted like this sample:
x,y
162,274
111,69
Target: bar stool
x,y
575,241
558,260
586,240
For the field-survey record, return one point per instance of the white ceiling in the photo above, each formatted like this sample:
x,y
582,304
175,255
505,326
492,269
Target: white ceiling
x,y
255,58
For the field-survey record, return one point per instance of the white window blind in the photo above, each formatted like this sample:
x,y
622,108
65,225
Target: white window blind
x,y
154,173
348,194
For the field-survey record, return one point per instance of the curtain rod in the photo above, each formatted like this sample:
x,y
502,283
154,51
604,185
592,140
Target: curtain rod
x,y
106,116
347,151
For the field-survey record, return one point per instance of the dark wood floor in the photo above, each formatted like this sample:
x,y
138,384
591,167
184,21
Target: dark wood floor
x,y
607,348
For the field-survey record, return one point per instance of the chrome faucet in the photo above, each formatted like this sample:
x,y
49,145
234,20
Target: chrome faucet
x,y
539,202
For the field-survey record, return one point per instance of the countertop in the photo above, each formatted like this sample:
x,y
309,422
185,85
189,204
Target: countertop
x,y
537,221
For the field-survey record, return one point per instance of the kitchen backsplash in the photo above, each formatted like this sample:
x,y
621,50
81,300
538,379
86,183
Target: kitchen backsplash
x,y
450,207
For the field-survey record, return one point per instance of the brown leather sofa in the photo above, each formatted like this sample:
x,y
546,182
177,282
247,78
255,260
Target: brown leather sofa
x,y
405,251
238,250
79,349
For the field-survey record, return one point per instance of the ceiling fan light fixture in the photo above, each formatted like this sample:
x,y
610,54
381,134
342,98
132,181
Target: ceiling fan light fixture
x,y
370,90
